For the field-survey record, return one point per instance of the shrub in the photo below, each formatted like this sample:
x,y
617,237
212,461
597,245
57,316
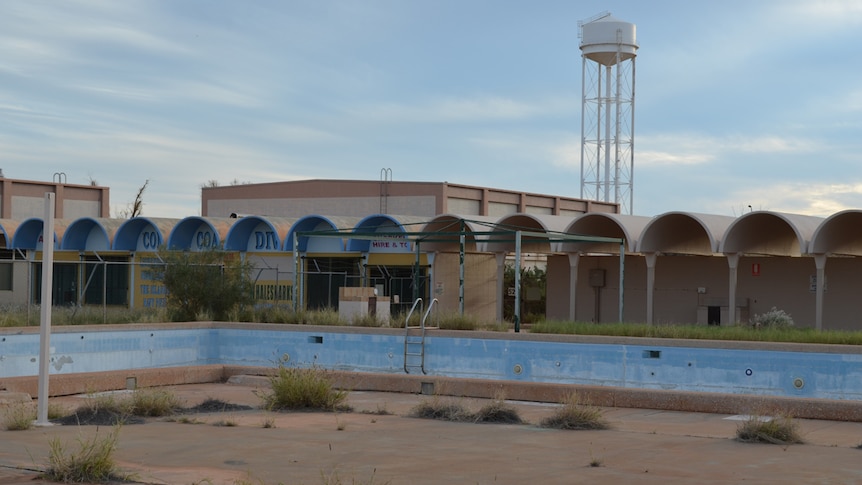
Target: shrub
x,y
498,411
295,388
366,320
153,402
205,284
442,409
19,416
779,430
56,411
109,408
93,462
326,316
573,415
774,318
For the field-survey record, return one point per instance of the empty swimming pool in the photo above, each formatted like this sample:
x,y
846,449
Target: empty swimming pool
x,y
816,371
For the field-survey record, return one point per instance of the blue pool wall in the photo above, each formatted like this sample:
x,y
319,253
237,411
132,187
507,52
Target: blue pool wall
x,y
771,369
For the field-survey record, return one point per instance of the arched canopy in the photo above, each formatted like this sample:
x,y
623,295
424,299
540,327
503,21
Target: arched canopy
x,y
28,235
543,226
618,226
7,231
684,233
366,236
196,233
142,234
770,233
839,234
257,234
445,232
323,243
90,234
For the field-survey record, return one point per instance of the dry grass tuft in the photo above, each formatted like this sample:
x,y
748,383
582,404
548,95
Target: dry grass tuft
x,y
576,416
778,430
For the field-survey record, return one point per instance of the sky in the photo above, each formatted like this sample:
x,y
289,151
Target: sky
x,y
738,103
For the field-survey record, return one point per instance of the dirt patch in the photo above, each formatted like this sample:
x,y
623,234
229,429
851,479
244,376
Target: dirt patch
x,y
107,417
101,417
216,406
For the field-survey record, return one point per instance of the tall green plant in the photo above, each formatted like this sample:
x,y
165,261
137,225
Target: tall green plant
x,y
206,284
533,284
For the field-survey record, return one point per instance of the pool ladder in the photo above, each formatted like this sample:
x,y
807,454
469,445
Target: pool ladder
x,y
414,338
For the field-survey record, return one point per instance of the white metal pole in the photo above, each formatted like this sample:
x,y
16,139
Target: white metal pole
x,y
583,109
461,270
517,281
47,299
632,145
607,138
617,116
294,298
622,277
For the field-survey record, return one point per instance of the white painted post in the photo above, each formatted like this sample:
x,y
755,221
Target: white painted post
x,y
47,300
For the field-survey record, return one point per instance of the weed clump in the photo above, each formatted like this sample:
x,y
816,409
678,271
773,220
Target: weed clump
x,y
153,403
111,409
498,411
19,417
779,430
303,389
442,409
93,462
573,415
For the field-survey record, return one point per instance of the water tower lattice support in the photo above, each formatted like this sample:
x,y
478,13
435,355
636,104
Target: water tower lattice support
x,y
607,112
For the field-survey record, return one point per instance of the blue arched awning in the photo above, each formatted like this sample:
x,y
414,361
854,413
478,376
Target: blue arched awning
x,y
316,244
28,235
196,233
257,234
142,234
89,234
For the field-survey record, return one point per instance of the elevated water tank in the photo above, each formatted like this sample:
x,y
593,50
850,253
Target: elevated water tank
x,y
602,39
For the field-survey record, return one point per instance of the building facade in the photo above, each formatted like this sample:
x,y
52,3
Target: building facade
x,y
358,198
20,199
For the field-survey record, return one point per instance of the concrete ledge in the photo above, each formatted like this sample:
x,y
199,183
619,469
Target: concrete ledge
x,y
702,402
718,403
7,398
80,383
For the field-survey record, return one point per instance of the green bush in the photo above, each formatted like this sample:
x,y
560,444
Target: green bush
x,y
307,388
774,318
204,285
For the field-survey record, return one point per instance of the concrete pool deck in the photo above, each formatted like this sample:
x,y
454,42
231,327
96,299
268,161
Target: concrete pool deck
x,y
364,446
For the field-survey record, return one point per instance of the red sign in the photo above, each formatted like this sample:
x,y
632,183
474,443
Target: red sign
x,y
755,269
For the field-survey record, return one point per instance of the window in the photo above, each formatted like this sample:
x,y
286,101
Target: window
x,y
5,276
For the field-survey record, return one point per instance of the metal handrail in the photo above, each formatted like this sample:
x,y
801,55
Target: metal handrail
x,y
428,312
407,320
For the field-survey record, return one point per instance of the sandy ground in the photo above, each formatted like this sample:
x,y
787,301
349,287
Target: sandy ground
x,y
378,444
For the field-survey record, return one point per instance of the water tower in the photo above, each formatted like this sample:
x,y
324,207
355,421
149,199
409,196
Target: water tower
x,y
608,51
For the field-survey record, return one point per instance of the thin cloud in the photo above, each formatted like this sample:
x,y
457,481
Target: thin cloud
x,y
696,149
819,199
295,133
475,109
